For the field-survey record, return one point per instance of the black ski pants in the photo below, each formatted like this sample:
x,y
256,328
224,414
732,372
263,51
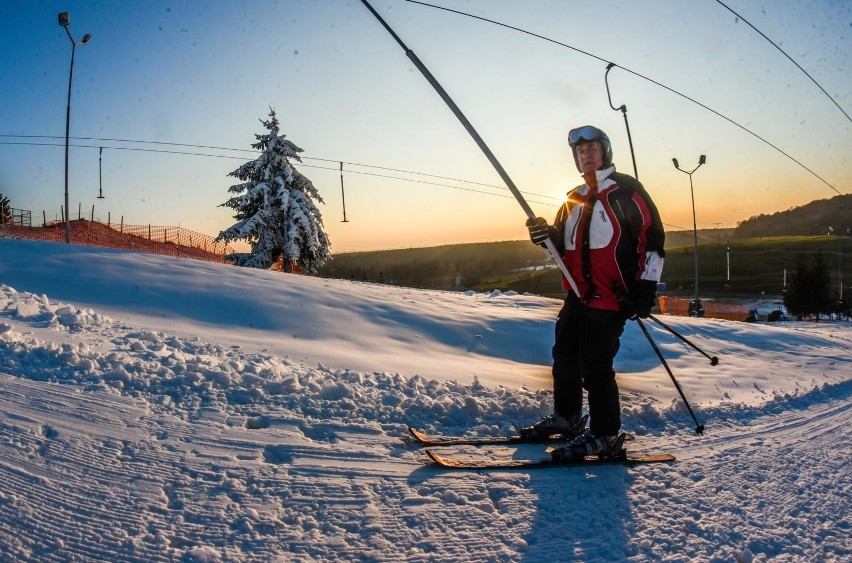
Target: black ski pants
x,y
587,340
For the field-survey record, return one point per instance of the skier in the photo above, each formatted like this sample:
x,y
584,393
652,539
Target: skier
x,y
611,239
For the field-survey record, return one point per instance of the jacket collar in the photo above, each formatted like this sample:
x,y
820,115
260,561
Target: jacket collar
x,y
581,193
604,174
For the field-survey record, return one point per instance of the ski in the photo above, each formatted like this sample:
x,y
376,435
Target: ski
x,y
424,439
430,440
452,462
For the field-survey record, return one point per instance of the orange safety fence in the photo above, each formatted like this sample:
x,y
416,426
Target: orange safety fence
x,y
679,306
168,241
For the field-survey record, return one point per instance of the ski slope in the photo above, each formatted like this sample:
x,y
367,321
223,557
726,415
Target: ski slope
x,y
153,409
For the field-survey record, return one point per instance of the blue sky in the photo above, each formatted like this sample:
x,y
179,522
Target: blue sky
x,y
204,73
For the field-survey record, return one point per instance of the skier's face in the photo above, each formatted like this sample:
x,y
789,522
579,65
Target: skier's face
x,y
590,156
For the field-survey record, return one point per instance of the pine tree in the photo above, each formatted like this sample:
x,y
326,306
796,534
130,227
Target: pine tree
x,y
823,301
810,288
796,297
275,208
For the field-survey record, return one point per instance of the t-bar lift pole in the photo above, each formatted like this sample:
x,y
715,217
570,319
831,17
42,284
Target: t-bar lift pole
x,y
343,194
551,247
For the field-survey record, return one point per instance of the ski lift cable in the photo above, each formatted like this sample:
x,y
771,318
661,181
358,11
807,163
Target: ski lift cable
x,y
373,174
363,173
255,152
652,81
788,57
250,151
473,190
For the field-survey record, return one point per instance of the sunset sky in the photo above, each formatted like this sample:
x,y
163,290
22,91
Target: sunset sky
x,y
162,79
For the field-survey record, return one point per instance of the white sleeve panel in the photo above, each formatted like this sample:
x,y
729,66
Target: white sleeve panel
x,y
653,267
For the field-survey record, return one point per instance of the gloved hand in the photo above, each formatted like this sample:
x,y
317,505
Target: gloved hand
x,y
642,298
539,230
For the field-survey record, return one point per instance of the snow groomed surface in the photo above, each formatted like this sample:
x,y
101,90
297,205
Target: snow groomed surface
x,y
153,409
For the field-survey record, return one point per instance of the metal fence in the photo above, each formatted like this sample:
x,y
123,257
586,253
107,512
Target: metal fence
x,y
21,217
168,241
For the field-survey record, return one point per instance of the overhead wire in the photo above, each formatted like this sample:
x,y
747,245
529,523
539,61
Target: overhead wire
x,y
661,85
189,145
788,56
301,157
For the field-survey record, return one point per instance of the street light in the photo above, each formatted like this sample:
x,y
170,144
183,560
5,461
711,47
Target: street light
x,y
839,259
728,269
696,310
65,21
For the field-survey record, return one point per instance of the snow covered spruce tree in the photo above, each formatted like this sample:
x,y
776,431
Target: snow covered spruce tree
x,y
275,209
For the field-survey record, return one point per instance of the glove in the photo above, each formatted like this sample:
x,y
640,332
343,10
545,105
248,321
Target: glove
x,y
539,230
642,298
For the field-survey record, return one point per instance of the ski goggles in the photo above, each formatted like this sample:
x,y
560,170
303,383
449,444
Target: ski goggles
x,y
585,133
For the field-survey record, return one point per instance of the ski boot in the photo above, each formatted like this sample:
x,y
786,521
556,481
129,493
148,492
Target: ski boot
x,y
554,424
590,444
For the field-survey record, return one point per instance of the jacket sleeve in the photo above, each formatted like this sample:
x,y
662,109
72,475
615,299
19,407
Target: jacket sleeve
x,y
557,231
646,226
652,238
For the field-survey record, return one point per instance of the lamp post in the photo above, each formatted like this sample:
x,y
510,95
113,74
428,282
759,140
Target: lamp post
x,y
728,267
65,21
839,259
696,310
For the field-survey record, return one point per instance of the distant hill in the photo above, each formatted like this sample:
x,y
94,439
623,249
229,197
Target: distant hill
x,y
811,219
756,266
681,238
759,254
453,266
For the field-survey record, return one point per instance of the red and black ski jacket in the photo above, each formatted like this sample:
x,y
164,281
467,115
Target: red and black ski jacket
x,y
615,244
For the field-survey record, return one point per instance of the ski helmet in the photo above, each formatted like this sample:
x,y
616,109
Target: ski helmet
x,y
589,133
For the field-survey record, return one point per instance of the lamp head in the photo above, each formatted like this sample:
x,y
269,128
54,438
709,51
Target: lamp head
x,y
674,161
702,159
64,19
88,37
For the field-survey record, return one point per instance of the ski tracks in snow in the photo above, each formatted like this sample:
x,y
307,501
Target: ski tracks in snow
x,y
774,485
125,444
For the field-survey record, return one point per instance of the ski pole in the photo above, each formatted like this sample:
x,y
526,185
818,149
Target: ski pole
x,y
591,179
699,428
713,359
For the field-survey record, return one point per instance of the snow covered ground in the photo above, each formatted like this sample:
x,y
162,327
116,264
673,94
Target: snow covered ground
x,y
156,409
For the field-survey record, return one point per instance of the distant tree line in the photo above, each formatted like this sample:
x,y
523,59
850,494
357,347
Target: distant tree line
x,y
814,218
459,266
